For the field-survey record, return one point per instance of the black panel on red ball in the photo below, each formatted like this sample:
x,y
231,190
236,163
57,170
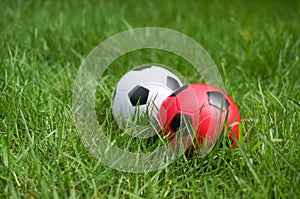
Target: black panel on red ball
x,y
183,121
218,100
138,95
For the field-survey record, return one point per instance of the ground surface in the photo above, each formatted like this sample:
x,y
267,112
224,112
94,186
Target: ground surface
x,y
255,46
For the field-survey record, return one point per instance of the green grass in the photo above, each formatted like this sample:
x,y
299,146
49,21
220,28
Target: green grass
x,y
255,45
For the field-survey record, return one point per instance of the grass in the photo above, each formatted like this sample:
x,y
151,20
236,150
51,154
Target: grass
x,y
255,45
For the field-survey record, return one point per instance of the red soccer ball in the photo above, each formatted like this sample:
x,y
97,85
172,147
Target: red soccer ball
x,y
206,108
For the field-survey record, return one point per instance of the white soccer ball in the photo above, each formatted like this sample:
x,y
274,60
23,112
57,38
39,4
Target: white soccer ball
x,y
140,93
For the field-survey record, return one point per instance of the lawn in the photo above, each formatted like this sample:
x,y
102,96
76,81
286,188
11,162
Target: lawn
x,y
255,45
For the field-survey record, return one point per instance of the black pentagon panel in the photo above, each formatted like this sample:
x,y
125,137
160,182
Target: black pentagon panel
x,y
141,68
138,95
172,83
183,121
175,124
186,124
177,91
218,100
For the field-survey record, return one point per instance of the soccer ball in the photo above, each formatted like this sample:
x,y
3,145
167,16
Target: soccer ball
x,y
200,110
140,92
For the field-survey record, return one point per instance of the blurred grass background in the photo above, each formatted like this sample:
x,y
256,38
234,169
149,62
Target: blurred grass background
x,y
256,46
